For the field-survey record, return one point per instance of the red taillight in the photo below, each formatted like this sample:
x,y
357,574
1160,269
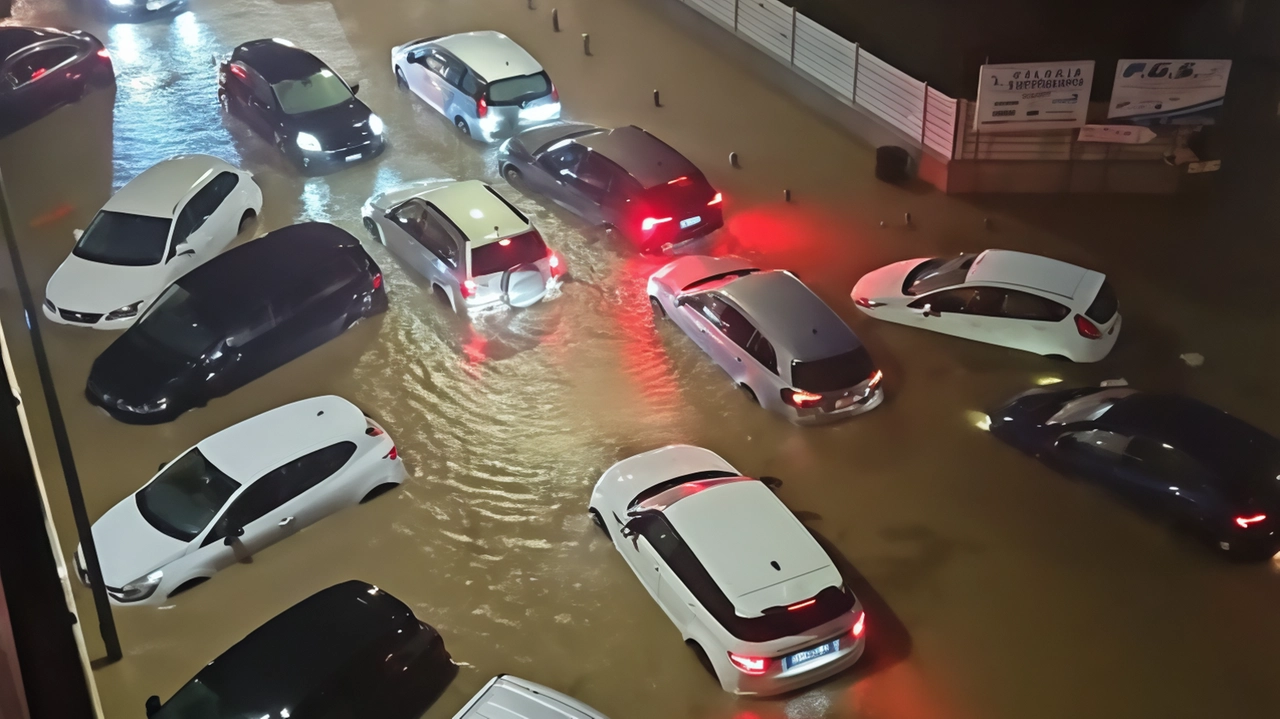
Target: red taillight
x,y
799,398
482,107
860,624
104,54
237,71
392,454
1087,329
373,431
652,222
555,94
679,180
716,200
377,280
875,379
863,302
802,605
1246,521
38,72
749,665
554,261
469,288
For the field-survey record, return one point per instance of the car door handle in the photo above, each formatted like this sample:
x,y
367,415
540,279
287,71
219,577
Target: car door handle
x,y
738,358
703,330
285,522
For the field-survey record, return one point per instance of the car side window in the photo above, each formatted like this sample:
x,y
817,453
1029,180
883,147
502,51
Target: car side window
x,y
946,300
314,286
453,72
410,217
1097,443
470,85
1161,460
1026,306
763,352
260,88
595,174
439,237
37,64
710,308
253,503
206,201
435,63
736,326
311,469
259,323
183,225
563,162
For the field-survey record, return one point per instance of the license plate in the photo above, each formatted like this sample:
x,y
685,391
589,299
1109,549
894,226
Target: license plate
x,y
845,402
809,655
690,222
353,158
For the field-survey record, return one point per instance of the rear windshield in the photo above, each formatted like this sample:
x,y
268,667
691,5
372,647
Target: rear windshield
x,y
115,238
186,496
505,254
661,487
516,90
833,373
684,191
937,273
1104,305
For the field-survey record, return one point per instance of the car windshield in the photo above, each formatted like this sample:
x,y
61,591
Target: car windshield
x,y
174,322
186,496
505,254
1089,407
321,90
516,90
937,273
197,700
833,373
116,238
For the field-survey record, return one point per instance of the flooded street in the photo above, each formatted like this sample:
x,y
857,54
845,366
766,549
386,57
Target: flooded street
x,y
995,587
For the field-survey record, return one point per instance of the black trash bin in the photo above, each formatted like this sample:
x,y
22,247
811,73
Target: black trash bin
x,y
893,164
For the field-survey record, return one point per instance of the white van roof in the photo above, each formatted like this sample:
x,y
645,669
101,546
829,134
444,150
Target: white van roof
x,y
507,697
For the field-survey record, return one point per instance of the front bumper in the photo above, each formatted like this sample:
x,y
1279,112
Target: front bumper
x,y
322,160
88,319
501,124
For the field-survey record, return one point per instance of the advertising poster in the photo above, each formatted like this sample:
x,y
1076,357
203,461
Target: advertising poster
x,y
1016,97
1169,92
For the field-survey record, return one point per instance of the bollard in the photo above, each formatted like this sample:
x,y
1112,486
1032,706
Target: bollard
x,y
586,44
657,100
906,218
531,5
555,19
733,160
986,222
883,224
786,195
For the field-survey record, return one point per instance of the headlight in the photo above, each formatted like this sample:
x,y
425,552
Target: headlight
x,y
49,303
125,312
307,141
144,408
139,589
375,124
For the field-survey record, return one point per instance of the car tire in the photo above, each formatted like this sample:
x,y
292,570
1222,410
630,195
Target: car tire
x,y
378,491
462,126
751,394
513,174
1059,358
703,659
597,520
401,82
189,584
438,292
245,220
658,312
372,228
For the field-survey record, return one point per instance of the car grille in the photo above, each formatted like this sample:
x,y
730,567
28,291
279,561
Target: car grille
x,y
87,318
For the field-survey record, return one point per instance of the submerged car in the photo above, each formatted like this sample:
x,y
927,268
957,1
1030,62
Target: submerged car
x,y
484,83
238,492
351,650
780,342
293,100
625,179
1212,474
235,318
474,247
515,698
1005,298
744,582
42,69
162,224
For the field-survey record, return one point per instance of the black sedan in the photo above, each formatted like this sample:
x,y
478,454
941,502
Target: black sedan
x,y
351,650
235,318
43,69
291,98
625,179
1212,474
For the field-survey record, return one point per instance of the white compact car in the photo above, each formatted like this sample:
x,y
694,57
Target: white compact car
x,y
510,697
1006,298
238,492
742,579
476,249
165,222
488,86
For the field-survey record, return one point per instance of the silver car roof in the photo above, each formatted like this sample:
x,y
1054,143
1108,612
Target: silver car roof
x,y
790,315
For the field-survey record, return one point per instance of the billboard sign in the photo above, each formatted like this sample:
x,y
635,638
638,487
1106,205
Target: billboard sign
x,y
1015,97
1169,92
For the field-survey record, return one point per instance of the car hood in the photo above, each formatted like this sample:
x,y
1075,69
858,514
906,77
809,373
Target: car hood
x,y
337,127
136,370
129,547
84,286
886,282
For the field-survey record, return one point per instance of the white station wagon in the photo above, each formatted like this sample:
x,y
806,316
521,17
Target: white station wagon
x,y
508,697
239,491
746,584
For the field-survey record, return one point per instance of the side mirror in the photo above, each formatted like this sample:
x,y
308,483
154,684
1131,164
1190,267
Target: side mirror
x,y
930,312
355,89
681,301
627,531
153,705
77,234
160,467
233,535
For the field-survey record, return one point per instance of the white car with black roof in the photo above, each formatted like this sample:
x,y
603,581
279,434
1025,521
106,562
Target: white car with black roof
x,y
745,583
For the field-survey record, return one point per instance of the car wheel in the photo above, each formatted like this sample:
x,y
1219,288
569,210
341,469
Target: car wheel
x,y
1059,358
462,126
658,312
751,395
703,659
372,228
438,292
402,83
378,491
222,101
246,220
512,173
598,521
189,584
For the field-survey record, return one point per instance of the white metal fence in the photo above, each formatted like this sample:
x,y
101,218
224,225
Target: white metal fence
x,y
842,68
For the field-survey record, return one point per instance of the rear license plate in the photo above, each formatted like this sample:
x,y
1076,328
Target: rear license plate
x,y
845,402
353,158
809,655
690,222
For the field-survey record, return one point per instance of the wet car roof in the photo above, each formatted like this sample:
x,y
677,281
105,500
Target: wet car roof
x,y
1027,270
790,315
246,450
158,190
475,209
650,160
491,55
277,61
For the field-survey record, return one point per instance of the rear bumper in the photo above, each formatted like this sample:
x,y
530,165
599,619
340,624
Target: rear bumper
x,y
669,235
820,416
503,122
770,685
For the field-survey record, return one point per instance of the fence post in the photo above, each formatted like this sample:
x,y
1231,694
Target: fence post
x,y
735,15
924,115
857,52
793,37
957,142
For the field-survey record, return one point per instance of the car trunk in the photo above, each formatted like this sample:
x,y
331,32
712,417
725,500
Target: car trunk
x,y
511,268
680,209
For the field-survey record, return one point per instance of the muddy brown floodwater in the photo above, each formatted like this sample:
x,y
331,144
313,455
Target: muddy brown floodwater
x,y
995,588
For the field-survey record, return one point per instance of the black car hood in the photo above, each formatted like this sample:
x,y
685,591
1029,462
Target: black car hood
x,y
337,127
137,370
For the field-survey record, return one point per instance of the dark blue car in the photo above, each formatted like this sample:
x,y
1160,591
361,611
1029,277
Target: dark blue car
x,y
1212,474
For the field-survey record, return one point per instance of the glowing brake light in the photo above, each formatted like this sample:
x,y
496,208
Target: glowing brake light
x,y
1087,329
469,288
875,379
652,222
482,107
799,398
1246,521
504,243
749,665
679,180
393,454
238,71
716,200
802,605
377,280
38,73
104,54
555,94
860,624
553,260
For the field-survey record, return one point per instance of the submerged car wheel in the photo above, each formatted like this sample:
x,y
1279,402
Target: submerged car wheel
x,y
658,312
462,126
598,521
402,83
372,229
245,220
703,659
751,394
512,173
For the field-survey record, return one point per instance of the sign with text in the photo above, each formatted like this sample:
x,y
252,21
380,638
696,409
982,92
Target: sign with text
x,y
1122,134
1016,97
1169,92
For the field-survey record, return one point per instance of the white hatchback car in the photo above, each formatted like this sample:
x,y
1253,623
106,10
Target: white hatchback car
x,y
746,584
161,225
238,492
510,697
488,86
1001,297
477,250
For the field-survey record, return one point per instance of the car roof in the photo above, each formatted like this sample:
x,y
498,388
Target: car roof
x,y
650,160
15,38
790,315
283,661
158,190
246,450
738,530
510,697
278,60
491,55
475,209
1026,270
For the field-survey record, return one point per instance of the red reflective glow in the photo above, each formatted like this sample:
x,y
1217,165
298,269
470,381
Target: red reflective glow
x,y
749,665
802,605
875,379
863,302
553,260
678,180
469,288
1246,521
377,280
716,200
392,454
652,222
504,243
38,72
482,107
1087,329
237,71
104,54
555,94
860,624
